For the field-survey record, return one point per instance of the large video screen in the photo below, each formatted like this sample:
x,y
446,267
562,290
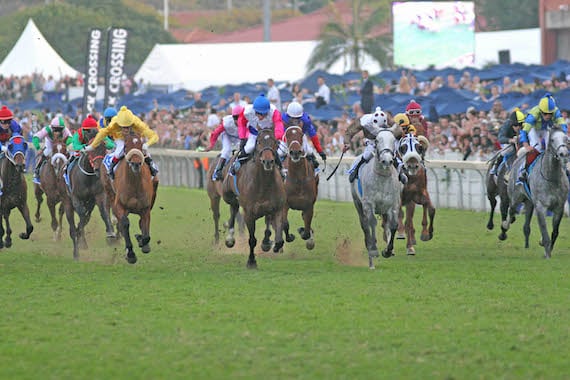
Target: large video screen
x,y
435,33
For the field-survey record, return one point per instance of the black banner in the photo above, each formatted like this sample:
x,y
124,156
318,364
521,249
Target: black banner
x,y
91,70
116,54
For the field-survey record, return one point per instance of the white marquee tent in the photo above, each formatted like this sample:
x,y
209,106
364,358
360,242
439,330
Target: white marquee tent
x,y
33,54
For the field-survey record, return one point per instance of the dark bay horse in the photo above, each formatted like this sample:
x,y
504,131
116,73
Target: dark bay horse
x,y
14,188
259,189
301,185
547,189
377,192
497,186
86,191
49,172
134,191
410,149
214,190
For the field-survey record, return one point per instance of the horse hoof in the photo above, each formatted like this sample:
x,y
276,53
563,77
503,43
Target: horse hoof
x,y
426,237
24,236
8,243
310,244
38,219
373,253
502,236
230,242
266,246
371,267
411,251
251,265
131,257
145,248
278,246
387,254
226,225
400,236
290,238
490,226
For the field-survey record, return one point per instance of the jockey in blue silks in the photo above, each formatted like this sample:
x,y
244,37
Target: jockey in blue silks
x,y
297,116
534,135
8,127
108,114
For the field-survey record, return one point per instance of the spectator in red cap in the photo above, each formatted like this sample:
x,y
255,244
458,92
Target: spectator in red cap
x,y
414,113
8,127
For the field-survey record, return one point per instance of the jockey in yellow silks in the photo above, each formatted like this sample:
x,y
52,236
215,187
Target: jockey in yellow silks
x,y
126,119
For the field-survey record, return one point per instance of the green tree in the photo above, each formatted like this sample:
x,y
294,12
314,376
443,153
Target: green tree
x,y
508,14
350,41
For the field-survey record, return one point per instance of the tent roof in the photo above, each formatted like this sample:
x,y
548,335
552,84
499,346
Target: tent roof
x,y
33,54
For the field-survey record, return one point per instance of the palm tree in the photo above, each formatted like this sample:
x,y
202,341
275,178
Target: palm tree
x,y
351,41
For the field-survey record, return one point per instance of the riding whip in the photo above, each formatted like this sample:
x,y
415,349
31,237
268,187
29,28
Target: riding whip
x,y
336,167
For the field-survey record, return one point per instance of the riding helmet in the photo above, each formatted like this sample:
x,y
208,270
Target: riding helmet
x,y
6,114
125,117
413,105
261,105
57,123
295,109
89,122
379,118
237,110
109,112
401,119
547,104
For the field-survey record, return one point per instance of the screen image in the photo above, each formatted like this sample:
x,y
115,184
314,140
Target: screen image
x,y
438,33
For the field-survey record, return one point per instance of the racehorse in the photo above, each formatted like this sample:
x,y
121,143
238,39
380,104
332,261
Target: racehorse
x,y
377,191
85,191
132,191
546,189
259,189
214,190
410,149
301,186
497,186
49,173
14,188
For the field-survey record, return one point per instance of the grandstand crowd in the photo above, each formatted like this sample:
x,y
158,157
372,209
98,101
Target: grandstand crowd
x,y
472,133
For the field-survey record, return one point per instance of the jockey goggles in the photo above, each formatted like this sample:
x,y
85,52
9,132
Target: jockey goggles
x,y
415,112
6,122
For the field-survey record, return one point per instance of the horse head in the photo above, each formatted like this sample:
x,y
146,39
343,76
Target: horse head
x,y
134,151
95,157
16,153
558,145
385,147
294,141
59,156
266,148
411,151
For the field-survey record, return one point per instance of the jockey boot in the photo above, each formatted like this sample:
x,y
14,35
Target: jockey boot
x,y
241,157
153,170
282,170
354,174
218,171
36,177
496,165
313,159
114,162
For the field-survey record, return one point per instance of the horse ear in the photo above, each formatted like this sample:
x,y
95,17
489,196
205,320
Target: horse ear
x,y
403,149
424,142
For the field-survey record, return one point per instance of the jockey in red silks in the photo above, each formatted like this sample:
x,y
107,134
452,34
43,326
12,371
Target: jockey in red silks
x,y
417,119
228,130
8,127
259,115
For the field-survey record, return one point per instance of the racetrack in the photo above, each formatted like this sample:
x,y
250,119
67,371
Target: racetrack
x,y
466,306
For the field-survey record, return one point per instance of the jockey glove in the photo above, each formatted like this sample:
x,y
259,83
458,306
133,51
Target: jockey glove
x,y
323,155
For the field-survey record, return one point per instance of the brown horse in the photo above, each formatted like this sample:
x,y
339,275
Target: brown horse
x,y
415,191
259,189
301,185
86,191
214,190
132,191
49,172
14,188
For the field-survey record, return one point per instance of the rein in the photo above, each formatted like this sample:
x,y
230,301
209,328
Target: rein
x,y
81,159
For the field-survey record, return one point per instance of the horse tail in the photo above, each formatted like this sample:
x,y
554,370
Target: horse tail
x,y
134,152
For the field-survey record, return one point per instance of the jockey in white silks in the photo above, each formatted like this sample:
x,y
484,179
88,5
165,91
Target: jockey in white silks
x,y
370,124
534,135
228,131
259,115
56,128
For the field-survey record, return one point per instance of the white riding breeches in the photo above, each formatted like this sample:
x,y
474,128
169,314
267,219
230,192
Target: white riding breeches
x,y
250,146
307,146
229,143
48,148
119,148
538,139
369,150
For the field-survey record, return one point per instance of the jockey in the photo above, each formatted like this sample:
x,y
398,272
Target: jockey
x,y
401,128
84,134
508,134
295,113
108,114
228,129
8,127
414,113
259,115
538,122
56,129
370,124
125,120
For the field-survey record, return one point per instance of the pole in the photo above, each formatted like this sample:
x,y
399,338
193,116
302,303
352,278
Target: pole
x,y
229,5
266,20
165,11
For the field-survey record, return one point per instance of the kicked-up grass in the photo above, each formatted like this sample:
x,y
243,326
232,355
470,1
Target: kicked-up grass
x,y
465,307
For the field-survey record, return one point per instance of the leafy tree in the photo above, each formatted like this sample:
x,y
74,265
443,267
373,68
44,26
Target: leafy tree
x,y
508,14
351,40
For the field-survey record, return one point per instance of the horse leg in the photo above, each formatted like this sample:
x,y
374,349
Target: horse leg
x,y
427,232
51,203
529,207
401,228
25,211
8,239
60,224
556,219
101,201
39,198
144,238
410,231
215,206
70,216
307,233
230,239
1,229
288,237
545,242
266,243
250,223
504,215
493,202
390,222
123,218
83,221
369,223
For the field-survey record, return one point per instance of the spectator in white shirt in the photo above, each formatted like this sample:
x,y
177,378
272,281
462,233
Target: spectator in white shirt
x,y
273,94
323,95
213,119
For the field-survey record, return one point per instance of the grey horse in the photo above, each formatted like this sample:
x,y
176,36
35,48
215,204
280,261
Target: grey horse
x,y
547,189
377,191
